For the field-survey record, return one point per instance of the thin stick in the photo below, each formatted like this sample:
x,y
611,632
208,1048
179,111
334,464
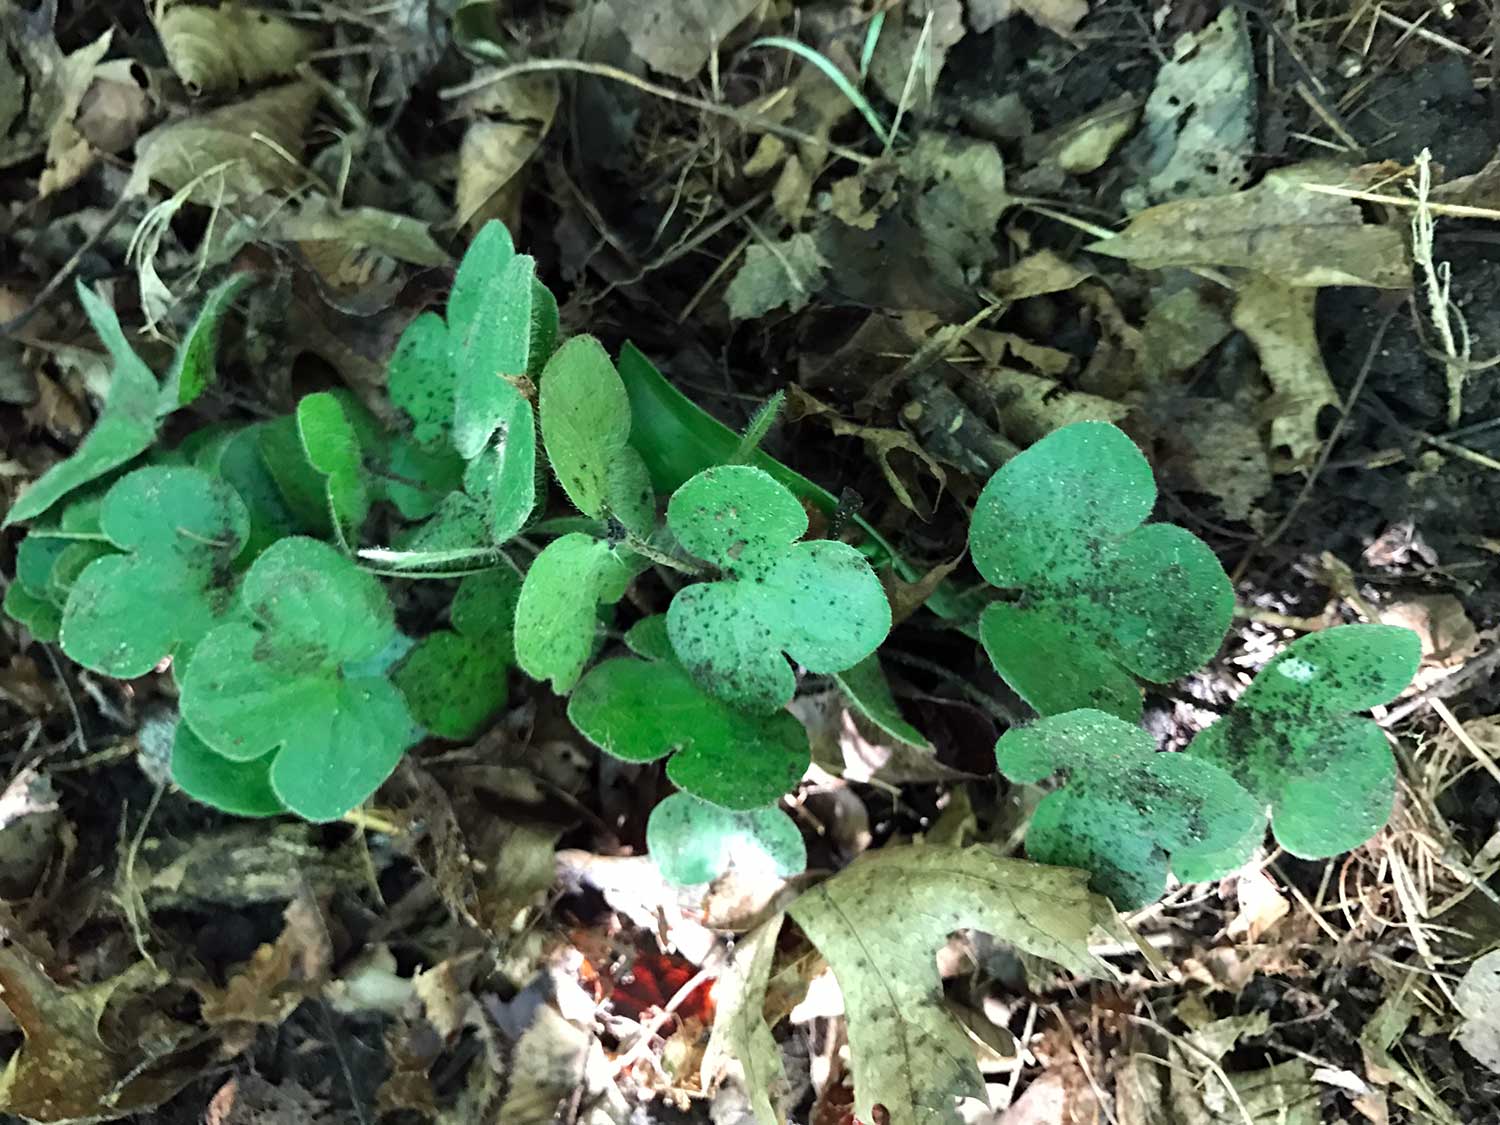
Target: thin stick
x,y
1452,210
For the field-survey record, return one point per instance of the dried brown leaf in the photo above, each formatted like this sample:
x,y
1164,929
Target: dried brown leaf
x,y
1279,319
218,49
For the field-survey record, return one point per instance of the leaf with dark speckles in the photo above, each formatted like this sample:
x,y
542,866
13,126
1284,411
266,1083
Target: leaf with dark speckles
x,y
1327,776
695,842
1103,598
1124,811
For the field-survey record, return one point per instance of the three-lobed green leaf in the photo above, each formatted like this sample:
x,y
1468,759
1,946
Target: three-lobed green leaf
x,y
1103,598
817,601
181,531
1125,811
1326,775
304,678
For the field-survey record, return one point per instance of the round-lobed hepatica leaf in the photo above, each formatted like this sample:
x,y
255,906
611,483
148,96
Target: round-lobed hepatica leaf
x,y
290,681
455,680
1327,775
695,842
181,530
819,602
1103,598
1124,809
241,788
639,711
557,616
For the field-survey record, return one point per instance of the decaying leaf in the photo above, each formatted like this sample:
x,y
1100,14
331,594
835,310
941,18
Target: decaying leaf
x,y
1031,406
677,36
69,154
1061,16
68,1069
1279,227
279,976
741,1048
880,923
1043,272
1478,999
1215,448
1280,321
235,154
216,49
776,274
1198,129
514,119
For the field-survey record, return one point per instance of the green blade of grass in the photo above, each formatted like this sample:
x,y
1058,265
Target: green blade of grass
x,y
835,75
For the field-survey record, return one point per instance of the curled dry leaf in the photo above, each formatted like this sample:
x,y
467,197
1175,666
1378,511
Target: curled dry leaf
x,y
217,49
1280,320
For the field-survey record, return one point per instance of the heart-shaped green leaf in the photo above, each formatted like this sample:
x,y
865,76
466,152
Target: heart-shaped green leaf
x,y
30,598
241,788
182,530
586,428
1103,598
302,680
193,368
455,681
695,842
557,616
1327,775
643,710
1124,810
125,429
332,448
819,602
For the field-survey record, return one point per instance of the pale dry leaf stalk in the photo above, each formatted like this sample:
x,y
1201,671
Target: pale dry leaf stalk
x,y
1437,285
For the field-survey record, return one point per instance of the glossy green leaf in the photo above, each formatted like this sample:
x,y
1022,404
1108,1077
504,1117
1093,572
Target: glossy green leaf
x,y
333,450
194,368
641,711
1326,775
1103,598
819,602
125,428
181,530
695,842
454,680
301,680
557,616
1124,811
867,689
240,788
419,379
586,427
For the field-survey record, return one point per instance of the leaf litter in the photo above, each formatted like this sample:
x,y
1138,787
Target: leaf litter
x,y
1023,255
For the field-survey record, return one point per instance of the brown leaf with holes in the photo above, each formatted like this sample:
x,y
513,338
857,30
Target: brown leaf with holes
x,y
279,976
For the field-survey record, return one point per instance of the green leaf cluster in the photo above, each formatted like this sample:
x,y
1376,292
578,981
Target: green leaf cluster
x,y
262,566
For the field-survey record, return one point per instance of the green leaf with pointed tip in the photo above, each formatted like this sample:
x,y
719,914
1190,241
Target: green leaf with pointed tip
x,y
557,616
819,602
419,379
240,788
695,842
866,687
454,680
1327,775
193,368
1124,811
586,429
1103,598
640,711
333,450
181,530
301,680
125,428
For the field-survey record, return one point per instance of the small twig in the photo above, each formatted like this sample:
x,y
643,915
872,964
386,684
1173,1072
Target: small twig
x,y
648,1031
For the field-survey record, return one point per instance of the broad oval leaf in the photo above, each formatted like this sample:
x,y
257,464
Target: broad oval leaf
x,y
301,680
1327,776
332,448
1103,598
1125,811
695,842
818,602
181,530
585,417
557,616
639,712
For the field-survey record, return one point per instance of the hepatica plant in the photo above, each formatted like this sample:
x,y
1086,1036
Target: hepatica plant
x,y
264,568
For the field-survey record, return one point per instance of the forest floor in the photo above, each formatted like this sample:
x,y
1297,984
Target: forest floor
x,y
935,259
